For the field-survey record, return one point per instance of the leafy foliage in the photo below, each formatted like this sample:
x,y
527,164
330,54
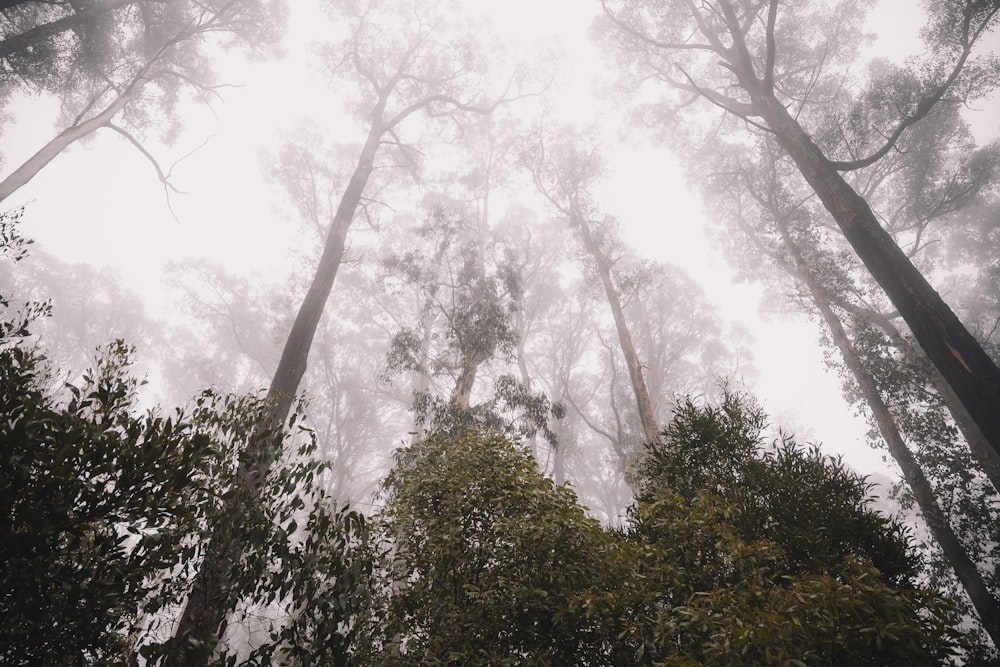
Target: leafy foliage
x,y
491,563
106,511
94,497
755,556
469,292
810,505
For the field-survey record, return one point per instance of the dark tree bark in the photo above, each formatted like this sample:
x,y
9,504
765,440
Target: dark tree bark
x,y
948,344
961,360
603,265
963,363
986,604
17,43
988,460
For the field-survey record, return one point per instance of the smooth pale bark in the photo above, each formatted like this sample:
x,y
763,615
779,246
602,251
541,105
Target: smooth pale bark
x,y
210,600
17,43
461,395
986,605
645,406
23,174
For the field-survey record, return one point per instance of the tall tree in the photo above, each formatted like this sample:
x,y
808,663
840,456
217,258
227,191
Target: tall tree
x,y
565,171
782,227
778,71
122,66
398,59
469,293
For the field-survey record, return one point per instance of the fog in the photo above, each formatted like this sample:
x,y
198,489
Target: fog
x,y
526,220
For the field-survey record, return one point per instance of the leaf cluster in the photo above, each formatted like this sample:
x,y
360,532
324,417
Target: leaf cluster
x,y
760,558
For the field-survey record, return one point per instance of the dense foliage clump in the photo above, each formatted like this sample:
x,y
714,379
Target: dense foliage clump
x,y
732,554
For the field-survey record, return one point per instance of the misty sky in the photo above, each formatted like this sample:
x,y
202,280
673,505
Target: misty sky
x,y
101,203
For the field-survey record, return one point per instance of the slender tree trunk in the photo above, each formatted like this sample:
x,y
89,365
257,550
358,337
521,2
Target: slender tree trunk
x,y
23,174
962,362
18,43
645,405
988,459
522,366
985,603
210,601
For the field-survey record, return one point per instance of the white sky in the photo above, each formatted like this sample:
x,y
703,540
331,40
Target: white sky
x,y
101,203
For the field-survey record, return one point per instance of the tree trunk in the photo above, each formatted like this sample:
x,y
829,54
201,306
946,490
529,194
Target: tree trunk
x,y
522,366
644,404
988,460
197,633
17,43
23,174
962,362
985,603
461,396
8,4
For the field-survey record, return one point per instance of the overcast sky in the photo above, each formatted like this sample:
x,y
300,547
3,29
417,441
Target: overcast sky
x,y
100,202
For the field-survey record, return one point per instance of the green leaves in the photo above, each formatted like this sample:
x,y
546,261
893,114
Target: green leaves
x,y
489,559
88,491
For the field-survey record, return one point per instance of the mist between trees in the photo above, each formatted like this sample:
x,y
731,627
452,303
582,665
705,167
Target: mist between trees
x,y
467,422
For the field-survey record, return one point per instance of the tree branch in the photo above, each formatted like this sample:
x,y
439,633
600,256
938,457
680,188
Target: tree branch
x,y
925,105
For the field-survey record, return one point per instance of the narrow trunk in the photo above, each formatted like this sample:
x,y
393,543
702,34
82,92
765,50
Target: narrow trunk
x,y
63,140
210,601
962,362
985,603
645,405
522,365
987,459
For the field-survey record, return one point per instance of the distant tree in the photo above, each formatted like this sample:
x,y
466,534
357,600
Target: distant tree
x,y
469,295
565,171
90,306
121,65
778,71
399,59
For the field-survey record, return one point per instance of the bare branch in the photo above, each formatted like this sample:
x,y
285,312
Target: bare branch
x,y
728,104
164,177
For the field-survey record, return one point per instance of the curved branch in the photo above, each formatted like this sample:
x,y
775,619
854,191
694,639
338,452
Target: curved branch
x,y
925,105
728,104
